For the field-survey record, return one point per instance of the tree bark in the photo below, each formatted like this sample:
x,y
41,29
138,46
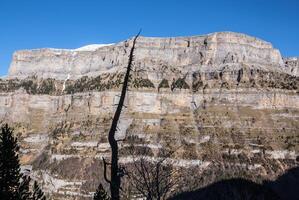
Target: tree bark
x,y
115,172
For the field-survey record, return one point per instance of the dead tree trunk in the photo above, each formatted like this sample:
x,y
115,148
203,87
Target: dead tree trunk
x,y
115,172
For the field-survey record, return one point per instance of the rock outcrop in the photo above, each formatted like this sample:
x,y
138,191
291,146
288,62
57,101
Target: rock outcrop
x,y
292,65
210,52
227,103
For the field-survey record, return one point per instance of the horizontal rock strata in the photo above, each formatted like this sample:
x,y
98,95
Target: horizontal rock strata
x,y
226,103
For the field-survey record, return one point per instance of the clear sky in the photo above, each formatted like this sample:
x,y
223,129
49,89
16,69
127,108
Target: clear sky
x,y
27,24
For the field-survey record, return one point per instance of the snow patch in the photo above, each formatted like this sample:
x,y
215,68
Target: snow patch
x,y
26,169
59,157
174,162
92,47
76,194
255,166
151,146
67,78
282,154
37,138
84,144
54,184
255,151
103,146
151,122
205,139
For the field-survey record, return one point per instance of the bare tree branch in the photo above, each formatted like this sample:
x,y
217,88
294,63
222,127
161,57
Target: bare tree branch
x,y
152,179
105,171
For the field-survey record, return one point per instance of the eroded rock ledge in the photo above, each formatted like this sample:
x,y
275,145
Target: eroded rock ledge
x,y
186,54
226,102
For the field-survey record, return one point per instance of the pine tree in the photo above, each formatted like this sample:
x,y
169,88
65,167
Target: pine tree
x,y
14,185
101,194
37,192
9,165
24,192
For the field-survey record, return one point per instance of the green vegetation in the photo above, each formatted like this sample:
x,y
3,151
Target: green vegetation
x,y
13,184
9,164
142,83
163,84
46,87
180,83
29,85
196,85
37,194
99,83
101,194
243,78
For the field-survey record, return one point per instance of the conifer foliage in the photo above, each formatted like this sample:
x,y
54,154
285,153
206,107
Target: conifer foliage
x,y
13,184
9,165
24,188
101,194
37,192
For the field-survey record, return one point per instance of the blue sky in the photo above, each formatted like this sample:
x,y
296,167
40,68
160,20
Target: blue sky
x,y
27,24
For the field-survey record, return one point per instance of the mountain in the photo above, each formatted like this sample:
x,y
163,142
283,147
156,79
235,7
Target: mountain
x,y
226,103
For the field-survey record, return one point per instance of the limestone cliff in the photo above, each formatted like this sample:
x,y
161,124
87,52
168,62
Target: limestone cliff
x,y
227,102
210,52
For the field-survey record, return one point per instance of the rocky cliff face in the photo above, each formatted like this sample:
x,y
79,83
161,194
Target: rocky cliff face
x,y
292,65
227,103
204,53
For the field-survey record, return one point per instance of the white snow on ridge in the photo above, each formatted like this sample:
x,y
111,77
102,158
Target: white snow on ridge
x,y
67,78
92,47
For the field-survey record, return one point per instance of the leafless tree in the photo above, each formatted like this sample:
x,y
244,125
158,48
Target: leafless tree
x,y
115,171
151,177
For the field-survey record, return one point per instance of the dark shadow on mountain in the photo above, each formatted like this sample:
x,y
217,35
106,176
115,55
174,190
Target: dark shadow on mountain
x,y
286,187
232,189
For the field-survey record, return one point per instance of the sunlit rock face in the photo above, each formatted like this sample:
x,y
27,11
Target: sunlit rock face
x,y
209,52
292,65
226,103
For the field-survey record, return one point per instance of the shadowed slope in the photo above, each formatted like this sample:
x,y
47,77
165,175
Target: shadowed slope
x,y
285,188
